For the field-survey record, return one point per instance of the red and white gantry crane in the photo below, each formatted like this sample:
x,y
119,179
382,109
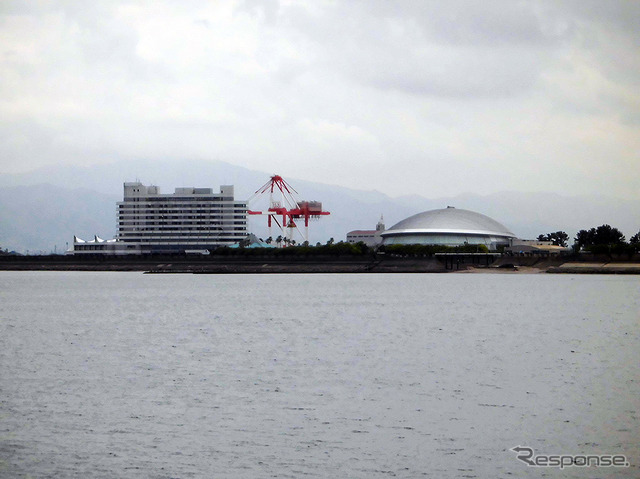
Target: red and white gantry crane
x,y
284,209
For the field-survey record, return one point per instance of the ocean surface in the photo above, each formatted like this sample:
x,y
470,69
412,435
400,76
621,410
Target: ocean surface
x,y
125,375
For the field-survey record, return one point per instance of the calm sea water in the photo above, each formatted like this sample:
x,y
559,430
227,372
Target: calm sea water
x,y
128,375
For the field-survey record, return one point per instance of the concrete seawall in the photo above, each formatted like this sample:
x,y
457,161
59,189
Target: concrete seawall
x,y
596,268
560,265
223,265
283,265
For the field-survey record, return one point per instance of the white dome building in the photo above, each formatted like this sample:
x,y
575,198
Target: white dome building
x,y
448,227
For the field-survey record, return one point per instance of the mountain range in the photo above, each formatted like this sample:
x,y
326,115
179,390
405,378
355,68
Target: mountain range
x,y
41,211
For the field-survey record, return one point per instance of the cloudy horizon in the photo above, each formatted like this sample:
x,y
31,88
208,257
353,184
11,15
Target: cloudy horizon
x,y
411,97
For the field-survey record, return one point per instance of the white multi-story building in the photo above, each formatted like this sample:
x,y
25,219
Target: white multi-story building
x,y
189,220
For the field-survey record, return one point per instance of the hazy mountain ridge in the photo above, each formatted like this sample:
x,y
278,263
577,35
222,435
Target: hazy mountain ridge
x,y
42,210
44,218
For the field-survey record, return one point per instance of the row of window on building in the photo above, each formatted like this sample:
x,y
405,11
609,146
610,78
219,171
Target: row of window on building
x,y
152,222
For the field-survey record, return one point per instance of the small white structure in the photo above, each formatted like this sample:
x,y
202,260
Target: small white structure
x,y
100,246
371,238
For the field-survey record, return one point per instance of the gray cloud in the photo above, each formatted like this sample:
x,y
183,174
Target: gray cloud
x,y
423,48
417,96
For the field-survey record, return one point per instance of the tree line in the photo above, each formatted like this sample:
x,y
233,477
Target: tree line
x,y
342,248
330,248
601,239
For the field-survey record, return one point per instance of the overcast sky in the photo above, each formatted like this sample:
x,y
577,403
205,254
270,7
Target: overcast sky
x,y
428,97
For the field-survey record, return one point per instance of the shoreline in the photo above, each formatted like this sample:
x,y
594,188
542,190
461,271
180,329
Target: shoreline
x,y
307,265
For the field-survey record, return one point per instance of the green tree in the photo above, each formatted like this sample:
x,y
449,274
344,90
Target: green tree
x,y
606,234
602,236
584,238
634,243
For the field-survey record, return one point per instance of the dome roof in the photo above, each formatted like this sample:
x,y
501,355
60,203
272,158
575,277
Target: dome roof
x,y
449,220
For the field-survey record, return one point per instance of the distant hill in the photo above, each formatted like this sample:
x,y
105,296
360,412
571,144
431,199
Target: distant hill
x,y
108,178
43,218
43,209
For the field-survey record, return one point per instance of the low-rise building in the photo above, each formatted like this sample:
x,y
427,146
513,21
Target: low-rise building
x,y
371,238
524,246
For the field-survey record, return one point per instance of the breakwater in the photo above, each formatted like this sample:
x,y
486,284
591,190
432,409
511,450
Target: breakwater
x,y
321,264
223,264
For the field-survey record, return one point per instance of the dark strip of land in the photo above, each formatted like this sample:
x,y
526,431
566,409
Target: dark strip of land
x,y
597,268
221,264
319,264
